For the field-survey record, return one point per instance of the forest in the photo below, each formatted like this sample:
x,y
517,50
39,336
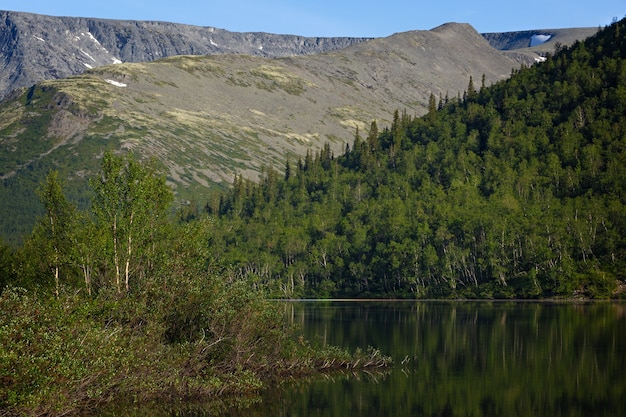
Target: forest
x,y
513,190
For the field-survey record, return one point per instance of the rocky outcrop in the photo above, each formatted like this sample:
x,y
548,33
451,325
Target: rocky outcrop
x,y
38,47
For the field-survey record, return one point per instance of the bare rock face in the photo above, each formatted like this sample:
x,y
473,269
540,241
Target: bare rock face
x,y
38,47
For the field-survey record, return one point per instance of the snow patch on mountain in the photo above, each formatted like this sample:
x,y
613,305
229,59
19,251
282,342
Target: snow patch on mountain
x,y
87,55
537,40
116,83
93,38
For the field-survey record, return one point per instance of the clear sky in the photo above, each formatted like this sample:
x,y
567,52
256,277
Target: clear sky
x,y
365,18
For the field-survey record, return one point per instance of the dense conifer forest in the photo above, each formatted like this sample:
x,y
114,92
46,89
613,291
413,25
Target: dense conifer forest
x,y
512,190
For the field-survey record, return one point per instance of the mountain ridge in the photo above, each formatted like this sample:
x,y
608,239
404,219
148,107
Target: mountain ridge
x,y
207,118
37,47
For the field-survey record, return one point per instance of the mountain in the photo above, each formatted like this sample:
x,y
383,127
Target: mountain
x,y
514,191
207,118
36,47
530,46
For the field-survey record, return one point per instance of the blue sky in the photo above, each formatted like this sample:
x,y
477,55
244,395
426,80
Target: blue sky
x,y
339,17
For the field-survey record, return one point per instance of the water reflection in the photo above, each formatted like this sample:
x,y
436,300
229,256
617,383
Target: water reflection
x,y
467,359
456,359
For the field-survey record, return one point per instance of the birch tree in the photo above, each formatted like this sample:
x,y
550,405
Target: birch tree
x,y
52,231
130,203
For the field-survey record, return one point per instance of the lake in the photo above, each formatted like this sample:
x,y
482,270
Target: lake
x,y
464,359
458,359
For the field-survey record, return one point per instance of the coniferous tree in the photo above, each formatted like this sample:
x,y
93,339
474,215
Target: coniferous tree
x,y
432,108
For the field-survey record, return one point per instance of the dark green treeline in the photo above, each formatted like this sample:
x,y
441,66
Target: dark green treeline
x,y
513,190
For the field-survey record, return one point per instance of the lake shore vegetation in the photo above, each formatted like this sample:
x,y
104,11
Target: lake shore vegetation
x,y
120,303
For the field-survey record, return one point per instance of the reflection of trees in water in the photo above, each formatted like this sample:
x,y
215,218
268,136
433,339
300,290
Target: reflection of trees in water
x,y
452,359
469,358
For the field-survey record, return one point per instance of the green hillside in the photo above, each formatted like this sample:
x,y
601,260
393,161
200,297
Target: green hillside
x,y
513,190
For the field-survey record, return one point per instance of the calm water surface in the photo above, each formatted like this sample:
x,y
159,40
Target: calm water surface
x,y
460,359
464,359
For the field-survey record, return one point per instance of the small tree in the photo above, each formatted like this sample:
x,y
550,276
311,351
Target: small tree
x,y
471,90
130,205
51,234
86,247
432,108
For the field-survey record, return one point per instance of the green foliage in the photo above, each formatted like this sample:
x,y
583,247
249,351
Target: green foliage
x,y
130,206
75,353
203,338
51,236
177,327
515,191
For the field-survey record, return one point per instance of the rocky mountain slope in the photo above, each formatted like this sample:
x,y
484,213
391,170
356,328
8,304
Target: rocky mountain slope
x,y
207,118
38,47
